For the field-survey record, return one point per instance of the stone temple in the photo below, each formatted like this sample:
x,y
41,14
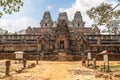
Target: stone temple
x,y
61,36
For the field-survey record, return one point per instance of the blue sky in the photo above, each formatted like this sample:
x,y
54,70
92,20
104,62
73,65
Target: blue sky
x,y
32,11
35,8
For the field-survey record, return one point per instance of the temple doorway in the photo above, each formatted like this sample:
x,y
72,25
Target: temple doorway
x,y
61,44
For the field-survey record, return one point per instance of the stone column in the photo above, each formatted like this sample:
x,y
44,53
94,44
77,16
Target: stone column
x,y
7,64
37,60
56,44
98,40
38,47
66,44
94,62
24,63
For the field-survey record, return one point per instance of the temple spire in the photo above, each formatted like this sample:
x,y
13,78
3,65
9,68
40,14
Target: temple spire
x,y
47,20
78,21
62,15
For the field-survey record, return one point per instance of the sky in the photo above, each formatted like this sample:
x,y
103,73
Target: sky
x,y
32,12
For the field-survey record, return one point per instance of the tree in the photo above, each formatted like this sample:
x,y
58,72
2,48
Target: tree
x,y
105,14
10,6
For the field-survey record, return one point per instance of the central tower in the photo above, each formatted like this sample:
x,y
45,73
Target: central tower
x,y
62,36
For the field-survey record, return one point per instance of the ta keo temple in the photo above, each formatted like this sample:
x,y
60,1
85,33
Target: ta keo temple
x,y
61,36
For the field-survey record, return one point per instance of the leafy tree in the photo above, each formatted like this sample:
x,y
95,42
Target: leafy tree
x,y
105,14
10,6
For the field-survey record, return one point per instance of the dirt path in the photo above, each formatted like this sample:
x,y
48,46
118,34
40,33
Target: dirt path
x,y
56,71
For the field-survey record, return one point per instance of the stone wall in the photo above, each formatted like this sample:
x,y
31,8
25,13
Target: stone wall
x,y
113,57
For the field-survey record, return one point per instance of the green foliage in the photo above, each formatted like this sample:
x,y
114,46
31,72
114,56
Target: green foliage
x,y
10,6
105,14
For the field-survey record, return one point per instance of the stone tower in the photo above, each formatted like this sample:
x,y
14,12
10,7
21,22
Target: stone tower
x,y
62,16
62,36
47,20
78,21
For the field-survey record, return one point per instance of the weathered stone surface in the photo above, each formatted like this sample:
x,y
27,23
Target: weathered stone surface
x,y
62,35
77,21
46,21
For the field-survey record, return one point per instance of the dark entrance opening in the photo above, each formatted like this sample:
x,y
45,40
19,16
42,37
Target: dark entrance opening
x,y
81,47
42,47
61,44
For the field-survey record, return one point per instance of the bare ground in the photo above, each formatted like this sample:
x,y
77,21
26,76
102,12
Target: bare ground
x,y
48,70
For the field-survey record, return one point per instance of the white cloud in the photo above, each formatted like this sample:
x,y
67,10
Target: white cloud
x,y
83,6
17,24
49,7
